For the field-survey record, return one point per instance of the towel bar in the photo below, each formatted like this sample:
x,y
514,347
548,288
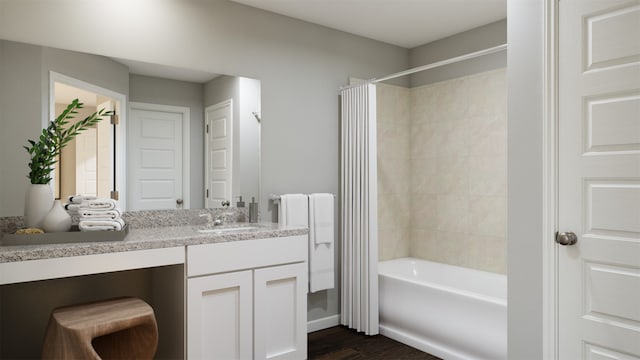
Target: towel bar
x,y
276,198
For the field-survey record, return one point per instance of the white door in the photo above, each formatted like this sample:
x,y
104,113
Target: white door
x,y
155,158
218,153
220,316
281,312
599,179
87,162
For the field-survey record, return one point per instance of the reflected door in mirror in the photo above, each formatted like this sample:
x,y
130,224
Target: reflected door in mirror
x,y
155,157
219,154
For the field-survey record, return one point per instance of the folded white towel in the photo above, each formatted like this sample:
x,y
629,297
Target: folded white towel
x,y
100,214
101,225
78,199
294,210
99,204
321,251
73,209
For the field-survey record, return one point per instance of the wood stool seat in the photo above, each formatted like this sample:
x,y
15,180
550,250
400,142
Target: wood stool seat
x,y
123,328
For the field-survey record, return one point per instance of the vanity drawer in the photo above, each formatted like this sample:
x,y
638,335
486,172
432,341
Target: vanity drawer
x,y
247,254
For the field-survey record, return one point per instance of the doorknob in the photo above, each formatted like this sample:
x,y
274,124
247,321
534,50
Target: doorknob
x,y
179,201
566,238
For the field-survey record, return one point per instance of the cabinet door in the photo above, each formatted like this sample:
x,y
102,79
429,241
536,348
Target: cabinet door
x,y
281,312
220,316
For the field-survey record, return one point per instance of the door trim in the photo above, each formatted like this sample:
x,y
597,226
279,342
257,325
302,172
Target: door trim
x,y
550,182
121,133
186,142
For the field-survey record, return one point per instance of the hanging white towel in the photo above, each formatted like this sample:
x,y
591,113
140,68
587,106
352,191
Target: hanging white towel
x,y
294,210
321,251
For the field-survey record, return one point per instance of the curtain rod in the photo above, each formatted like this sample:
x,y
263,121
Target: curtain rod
x,y
452,60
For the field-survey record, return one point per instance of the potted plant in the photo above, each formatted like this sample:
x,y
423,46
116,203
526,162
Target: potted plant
x,y
44,153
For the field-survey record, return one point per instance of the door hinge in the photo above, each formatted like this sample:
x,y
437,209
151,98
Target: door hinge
x,y
207,130
115,119
207,193
115,195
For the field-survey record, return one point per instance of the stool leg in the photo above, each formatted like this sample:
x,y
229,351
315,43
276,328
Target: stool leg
x,y
138,342
62,344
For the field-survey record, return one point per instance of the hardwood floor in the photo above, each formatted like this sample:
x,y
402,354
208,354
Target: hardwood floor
x,y
340,343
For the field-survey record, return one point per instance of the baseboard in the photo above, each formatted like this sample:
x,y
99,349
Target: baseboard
x,y
324,323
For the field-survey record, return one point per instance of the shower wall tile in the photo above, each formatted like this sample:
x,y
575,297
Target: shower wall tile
x,y
422,104
393,243
424,140
393,178
489,174
487,92
425,244
452,175
452,137
424,176
458,171
394,141
453,213
487,215
394,171
424,209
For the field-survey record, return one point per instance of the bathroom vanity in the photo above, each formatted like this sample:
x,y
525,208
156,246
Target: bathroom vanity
x,y
218,293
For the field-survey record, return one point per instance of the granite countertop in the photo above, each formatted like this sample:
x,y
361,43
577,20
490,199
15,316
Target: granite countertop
x,y
149,238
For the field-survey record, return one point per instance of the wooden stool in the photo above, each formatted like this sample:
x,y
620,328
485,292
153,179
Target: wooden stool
x,y
123,328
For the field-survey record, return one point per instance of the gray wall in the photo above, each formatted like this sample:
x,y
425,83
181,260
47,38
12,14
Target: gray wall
x,y
20,116
300,65
480,38
154,90
525,179
24,96
249,139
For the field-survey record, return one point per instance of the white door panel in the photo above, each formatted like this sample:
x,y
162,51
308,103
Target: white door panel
x,y
155,168
599,179
86,162
218,153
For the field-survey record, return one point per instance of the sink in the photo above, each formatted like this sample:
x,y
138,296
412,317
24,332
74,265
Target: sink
x,y
228,229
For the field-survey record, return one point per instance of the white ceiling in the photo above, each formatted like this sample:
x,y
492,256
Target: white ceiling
x,y
406,23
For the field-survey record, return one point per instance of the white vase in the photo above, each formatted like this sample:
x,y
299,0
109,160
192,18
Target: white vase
x,y
37,204
57,220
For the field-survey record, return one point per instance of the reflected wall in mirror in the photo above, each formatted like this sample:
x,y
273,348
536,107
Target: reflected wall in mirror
x,y
157,159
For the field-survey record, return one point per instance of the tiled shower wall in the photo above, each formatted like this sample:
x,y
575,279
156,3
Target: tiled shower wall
x,y
451,141
394,172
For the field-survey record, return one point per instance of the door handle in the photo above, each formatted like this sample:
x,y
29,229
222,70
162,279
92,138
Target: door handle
x,y
566,238
179,201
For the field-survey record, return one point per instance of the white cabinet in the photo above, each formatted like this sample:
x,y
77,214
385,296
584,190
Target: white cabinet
x,y
247,299
280,317
220,316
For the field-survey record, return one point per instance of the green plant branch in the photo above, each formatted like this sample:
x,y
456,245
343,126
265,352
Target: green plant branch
x,y
44,152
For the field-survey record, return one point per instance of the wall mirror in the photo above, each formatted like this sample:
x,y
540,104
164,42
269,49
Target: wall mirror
x,y
182,139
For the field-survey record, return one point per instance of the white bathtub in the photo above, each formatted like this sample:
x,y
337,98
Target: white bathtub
x,y
448,311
